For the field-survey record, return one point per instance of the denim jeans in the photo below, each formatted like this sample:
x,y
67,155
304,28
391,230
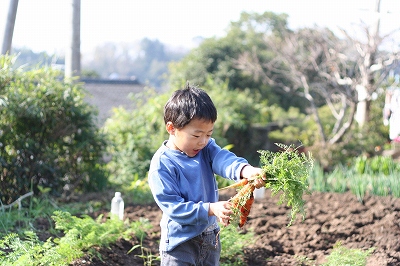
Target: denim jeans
x,y
202,250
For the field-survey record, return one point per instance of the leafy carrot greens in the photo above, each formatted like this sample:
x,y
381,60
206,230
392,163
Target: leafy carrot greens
x,y
287,174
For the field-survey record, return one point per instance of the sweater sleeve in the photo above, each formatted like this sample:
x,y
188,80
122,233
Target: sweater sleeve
x,y
224,162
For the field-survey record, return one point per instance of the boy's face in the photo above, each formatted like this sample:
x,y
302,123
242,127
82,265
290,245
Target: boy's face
x,y
191,138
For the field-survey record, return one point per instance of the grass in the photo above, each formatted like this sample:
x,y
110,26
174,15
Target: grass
x,y
19,220
337,180
394,184
341,255
232,244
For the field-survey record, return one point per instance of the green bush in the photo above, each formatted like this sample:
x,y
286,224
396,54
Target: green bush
x,y
134,136
238,110
375,165
48,136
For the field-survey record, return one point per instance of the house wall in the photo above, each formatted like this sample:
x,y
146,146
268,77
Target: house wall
x,y
108,94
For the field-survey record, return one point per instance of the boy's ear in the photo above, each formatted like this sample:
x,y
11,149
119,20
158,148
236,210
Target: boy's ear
x,y
170,128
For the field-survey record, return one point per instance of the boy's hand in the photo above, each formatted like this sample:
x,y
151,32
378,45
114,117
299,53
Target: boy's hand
x,y
221,209
254,173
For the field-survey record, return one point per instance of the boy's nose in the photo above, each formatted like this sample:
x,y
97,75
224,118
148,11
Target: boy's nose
x,y
203,141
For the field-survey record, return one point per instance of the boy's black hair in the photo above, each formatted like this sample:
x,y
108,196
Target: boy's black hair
x,y
187,104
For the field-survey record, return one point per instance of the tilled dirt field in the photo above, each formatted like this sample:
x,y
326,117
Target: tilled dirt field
x,y
331,217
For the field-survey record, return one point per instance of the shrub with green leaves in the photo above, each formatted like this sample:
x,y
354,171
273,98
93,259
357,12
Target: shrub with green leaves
x,y
134,136
238,111
375,165
48,135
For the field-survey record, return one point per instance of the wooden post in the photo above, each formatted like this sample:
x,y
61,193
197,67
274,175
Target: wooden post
x,y
9,28
73,52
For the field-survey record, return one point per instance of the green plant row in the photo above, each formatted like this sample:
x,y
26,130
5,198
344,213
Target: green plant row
x,y
381,165
80,236
377,176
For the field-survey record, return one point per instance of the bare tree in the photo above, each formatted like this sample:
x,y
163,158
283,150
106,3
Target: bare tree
x,y
307,64
373,66
9,28
314,63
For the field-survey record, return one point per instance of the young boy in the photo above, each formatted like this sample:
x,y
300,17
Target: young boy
x,y
181,178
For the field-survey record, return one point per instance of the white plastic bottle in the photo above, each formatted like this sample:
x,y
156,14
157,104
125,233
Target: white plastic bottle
x,y
259,193
117,206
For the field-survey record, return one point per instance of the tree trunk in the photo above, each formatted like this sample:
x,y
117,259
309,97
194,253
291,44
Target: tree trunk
x,y
345,127
364,89
314,110
9,28
362,112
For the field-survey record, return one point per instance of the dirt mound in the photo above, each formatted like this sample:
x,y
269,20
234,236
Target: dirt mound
x,y
331,217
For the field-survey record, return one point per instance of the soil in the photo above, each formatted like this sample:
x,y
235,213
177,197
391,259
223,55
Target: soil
x,y
373,223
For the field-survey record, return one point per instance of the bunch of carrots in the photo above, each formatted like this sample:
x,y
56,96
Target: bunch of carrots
x,y
241,202
287,174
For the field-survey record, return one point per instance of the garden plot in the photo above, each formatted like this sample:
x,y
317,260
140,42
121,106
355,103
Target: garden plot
x,y
331,217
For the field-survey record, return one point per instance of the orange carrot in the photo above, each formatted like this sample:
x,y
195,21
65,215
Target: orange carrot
x,y
241,204
241,183
242,194
245,210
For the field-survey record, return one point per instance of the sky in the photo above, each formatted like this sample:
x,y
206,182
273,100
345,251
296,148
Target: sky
x,y
42,25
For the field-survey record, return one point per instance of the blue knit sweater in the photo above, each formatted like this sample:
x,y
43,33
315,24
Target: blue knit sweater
x,y
184,186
